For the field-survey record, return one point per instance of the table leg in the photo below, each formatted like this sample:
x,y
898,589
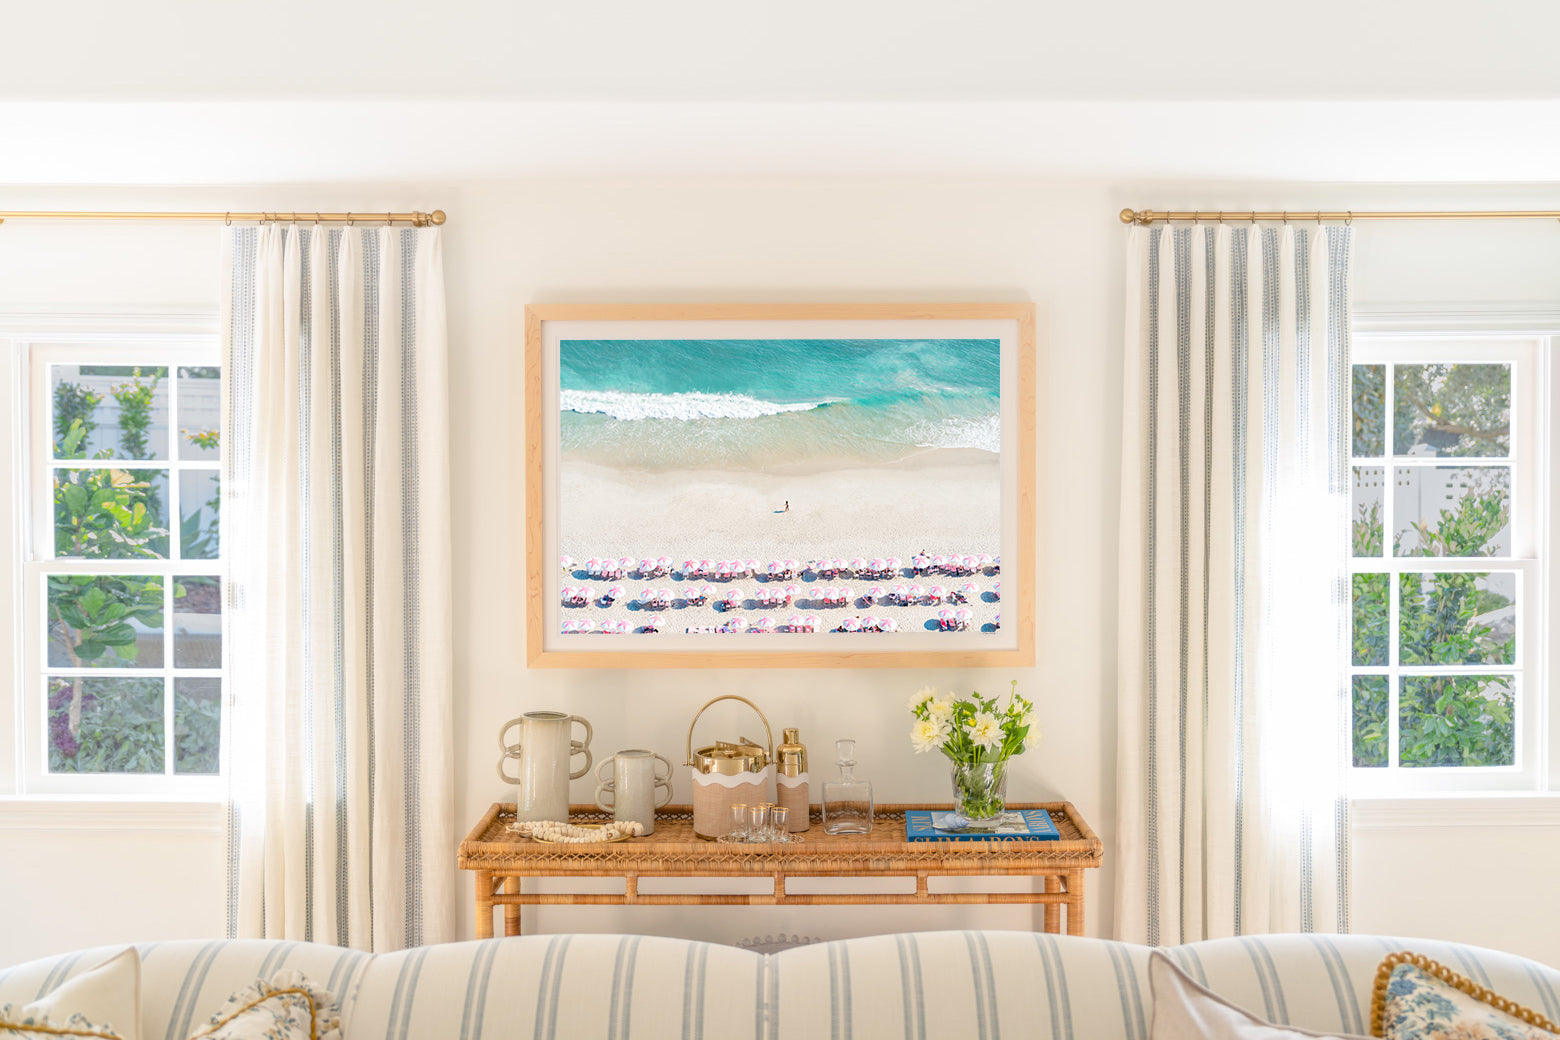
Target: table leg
x,y
511,910
484,904
1075,903
1053,911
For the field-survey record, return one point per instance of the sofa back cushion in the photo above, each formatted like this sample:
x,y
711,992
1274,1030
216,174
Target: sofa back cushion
x,y
184,982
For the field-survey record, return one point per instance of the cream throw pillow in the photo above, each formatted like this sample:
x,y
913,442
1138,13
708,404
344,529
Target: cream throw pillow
x,y
1183,1010
288,1007
104,1001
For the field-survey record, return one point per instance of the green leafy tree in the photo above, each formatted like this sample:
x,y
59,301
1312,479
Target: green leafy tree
x,y
135,412
1455,410
1456,720
74,409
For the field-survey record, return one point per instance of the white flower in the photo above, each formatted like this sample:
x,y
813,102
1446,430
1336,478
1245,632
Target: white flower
x,y
940,710
985,731
925,735
921,696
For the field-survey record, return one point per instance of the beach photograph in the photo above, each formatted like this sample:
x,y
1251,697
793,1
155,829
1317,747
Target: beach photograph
x,y
748,488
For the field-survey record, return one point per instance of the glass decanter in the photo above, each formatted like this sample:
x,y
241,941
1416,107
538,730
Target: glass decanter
x,y
847,801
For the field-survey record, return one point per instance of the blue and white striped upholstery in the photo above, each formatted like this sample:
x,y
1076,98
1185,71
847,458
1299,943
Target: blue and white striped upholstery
x,y
916,986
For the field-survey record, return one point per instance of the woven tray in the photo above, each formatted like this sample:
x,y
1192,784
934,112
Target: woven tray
x,y
674,850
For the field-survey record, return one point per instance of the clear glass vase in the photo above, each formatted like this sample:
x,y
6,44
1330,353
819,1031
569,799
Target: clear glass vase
x,y
979,792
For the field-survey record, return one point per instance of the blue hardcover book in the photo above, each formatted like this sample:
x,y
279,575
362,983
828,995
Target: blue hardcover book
x,y
1015,825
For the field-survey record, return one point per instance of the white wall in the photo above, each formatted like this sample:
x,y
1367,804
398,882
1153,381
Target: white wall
x,y
514,243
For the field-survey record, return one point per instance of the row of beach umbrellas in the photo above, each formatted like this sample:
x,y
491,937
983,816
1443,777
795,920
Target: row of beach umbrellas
x,y
881,567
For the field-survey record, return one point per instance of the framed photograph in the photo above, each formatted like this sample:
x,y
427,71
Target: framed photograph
x,y
759,486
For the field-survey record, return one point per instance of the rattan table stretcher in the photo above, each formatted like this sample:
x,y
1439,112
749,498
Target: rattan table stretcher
x,y
500,859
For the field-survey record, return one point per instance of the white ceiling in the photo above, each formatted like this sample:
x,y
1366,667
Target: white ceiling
x,y
185,91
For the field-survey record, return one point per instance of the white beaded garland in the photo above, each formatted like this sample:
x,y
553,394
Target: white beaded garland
x,y
569,833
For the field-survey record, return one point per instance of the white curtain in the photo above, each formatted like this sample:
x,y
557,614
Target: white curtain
x,y
1233,711
336,519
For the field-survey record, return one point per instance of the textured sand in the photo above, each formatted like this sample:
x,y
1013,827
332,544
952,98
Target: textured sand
x,y
940,503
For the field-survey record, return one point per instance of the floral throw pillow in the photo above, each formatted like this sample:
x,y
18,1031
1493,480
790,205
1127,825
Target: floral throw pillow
x,y
1417,999
288,1007
15,1024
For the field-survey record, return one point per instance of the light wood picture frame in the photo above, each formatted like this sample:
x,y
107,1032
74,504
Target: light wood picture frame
x,y
702,439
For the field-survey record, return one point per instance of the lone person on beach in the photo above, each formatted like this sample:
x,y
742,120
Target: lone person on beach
x,y
787,506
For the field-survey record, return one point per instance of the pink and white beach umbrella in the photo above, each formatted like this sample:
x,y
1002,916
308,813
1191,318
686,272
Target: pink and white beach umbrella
x,y
858,564
878,565
901,593
814,623
963,615
996,622
627,563
707,591
873,594
919,562
888,624
615,591
796,622
566,562
587,625
765,625
646,566
845,596
775,567
690,568
869,622
646,595
971,589
851,624
665,563
917,593
738,624
753,565
791,565
567,592
936,593
792,591
996,565
839,565
570,627
707,568
655,623
895,563
939,562
593,566
945,615
996,589
970,563
983,560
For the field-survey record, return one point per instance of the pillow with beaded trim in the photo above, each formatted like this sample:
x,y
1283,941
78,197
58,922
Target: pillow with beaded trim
x,y
287,1007
1416,998
102,1002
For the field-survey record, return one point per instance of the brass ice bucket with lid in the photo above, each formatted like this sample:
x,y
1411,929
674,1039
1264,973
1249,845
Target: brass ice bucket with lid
x,y
726,773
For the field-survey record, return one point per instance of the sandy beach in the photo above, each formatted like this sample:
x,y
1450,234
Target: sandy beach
x,y
940,502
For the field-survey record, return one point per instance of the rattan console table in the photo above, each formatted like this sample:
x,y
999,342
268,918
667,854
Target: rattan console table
x,y
500,859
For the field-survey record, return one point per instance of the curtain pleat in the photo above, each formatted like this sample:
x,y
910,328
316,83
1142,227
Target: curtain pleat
x,y
336,473
1233,616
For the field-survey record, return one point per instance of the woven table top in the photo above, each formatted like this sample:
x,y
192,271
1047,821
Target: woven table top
x,y
674,849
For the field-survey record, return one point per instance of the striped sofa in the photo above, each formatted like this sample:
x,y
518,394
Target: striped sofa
x,y
915,985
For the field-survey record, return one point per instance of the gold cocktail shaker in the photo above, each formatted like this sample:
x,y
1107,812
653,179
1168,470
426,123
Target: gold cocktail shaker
x,y
792,789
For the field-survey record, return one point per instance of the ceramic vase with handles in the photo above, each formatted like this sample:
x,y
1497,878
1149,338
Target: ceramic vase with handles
x,y
542,753
629,786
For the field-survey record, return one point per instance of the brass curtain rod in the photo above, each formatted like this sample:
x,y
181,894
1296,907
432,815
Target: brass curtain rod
x,y
1144,217
414,218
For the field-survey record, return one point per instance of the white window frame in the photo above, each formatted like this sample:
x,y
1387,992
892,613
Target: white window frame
x,y
1528,347
110,341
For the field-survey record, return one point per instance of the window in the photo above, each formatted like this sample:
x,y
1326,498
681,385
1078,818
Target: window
x,y
122,579
1448,588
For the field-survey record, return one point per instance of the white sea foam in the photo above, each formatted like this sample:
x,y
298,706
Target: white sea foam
x,y
984,433
629,407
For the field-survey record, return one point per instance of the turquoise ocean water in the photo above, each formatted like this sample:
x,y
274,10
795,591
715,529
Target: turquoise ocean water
x,y
761,404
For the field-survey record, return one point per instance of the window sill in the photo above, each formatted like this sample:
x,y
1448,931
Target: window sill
x,y
102,814
1459,810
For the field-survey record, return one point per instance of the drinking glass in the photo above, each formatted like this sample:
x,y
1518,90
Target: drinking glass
x,y
779,823
739,822
759,828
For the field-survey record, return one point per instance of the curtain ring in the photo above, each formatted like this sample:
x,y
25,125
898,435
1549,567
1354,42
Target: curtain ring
x,y
1285,217
1348,218
227,218
388,221
350,221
